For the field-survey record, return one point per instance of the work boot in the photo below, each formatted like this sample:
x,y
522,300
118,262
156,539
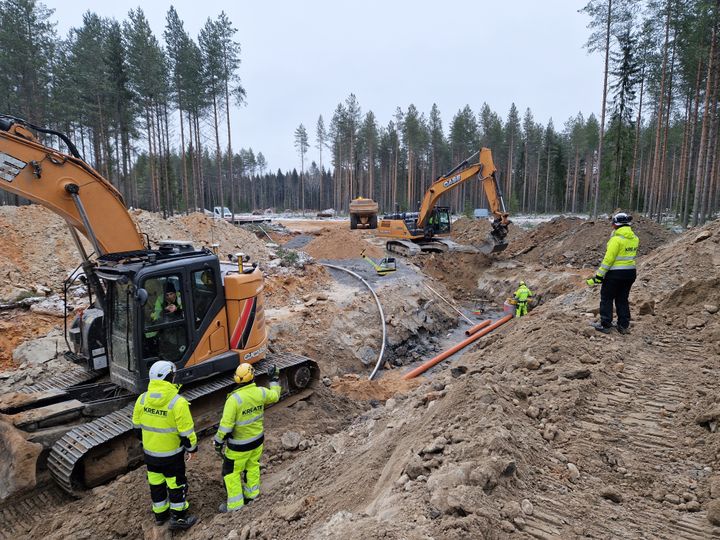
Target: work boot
x,y
162,518
182,523
248,501
223,509
624,330
600,328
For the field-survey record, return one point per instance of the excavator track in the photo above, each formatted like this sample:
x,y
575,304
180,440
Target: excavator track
x,y
62,381
108,435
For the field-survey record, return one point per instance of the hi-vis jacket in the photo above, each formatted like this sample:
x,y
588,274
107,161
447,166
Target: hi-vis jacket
x,y
165,420
621,251
523,293
241,425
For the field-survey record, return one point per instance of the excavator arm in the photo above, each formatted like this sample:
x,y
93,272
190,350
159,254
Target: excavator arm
x,y
484,168
68,186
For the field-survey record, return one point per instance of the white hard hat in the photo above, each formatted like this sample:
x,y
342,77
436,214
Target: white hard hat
x,y
160,370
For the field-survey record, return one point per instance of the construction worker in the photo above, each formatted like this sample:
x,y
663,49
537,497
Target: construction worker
x,y
241,428
162,421
521,299
617,274
170,304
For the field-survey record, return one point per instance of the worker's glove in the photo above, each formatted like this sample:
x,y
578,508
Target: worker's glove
x,y
273,372
219,448
595,280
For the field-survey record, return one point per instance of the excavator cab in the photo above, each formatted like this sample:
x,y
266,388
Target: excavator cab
x,y
168,307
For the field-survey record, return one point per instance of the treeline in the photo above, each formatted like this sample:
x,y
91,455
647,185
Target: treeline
x,y
153,117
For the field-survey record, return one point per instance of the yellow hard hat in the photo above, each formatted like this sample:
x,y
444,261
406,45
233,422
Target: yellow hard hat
x,y
522,283
244,373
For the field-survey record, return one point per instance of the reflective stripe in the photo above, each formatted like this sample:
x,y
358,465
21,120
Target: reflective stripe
x,y
274,383
161,504
252,489
177,506
158,429
251,421
605,266
155,395
237,398
136,426
624,267
236,498
218,439
173,401
225,429
627,258
192,448
142,398
164,454
186,433
264,392
245,441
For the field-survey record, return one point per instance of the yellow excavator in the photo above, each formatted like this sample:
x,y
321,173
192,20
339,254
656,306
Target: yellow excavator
x,y
412,233
83,416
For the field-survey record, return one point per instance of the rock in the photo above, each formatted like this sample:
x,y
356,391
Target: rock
x,y
458,371
531,363
646,307
709,419
574,472
390,404
297,509
659,495
304,445
435,447
693,506
713,512
618,367
704,235
532,411
154,532
400,482
438,386
672,498
232,535
580,373
448,478
711,308
39,351
290,440
527,507
415,468
714,484
506,526
18,463
694,322
511,510
53,306
326,381
612,494
519,522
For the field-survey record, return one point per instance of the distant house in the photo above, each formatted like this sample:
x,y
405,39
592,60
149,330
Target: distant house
x,y
479,213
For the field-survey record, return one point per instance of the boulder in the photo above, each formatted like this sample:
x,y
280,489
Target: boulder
x,y
290,440
39,351
19,457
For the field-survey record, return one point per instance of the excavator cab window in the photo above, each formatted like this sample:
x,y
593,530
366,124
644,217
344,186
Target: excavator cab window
x,y
443,221
122,320
204,290
164,323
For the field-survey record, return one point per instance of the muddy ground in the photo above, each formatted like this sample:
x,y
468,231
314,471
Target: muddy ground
x,y
543,429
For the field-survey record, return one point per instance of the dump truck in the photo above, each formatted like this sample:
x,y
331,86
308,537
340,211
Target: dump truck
x,y
363,214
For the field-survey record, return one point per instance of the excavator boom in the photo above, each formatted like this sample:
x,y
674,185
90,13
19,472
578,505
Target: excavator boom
x,y
67,186
405,229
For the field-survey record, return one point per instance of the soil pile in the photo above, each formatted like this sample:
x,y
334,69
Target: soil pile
x,y
342,243
578,243
38,251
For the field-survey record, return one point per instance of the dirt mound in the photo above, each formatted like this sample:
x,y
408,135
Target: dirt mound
x,y
579,243
203,231
38,250
341,243
459,272
361,389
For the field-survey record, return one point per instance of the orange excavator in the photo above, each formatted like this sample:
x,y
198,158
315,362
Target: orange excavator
x,y
411,233
83,415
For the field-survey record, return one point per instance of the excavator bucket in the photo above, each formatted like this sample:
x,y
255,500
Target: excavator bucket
x,y
491,246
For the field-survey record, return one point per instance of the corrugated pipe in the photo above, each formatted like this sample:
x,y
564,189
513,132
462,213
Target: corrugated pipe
x,y
382,315
442,356
471,331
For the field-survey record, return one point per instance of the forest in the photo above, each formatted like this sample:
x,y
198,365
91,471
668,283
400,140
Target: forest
x,y
152,114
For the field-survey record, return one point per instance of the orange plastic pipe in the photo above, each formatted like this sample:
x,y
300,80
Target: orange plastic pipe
x,y
472,330
442,356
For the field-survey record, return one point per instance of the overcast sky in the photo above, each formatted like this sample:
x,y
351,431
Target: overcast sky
x,y
300,59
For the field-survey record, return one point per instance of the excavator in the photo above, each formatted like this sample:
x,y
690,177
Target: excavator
x,y
83,416
412,233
